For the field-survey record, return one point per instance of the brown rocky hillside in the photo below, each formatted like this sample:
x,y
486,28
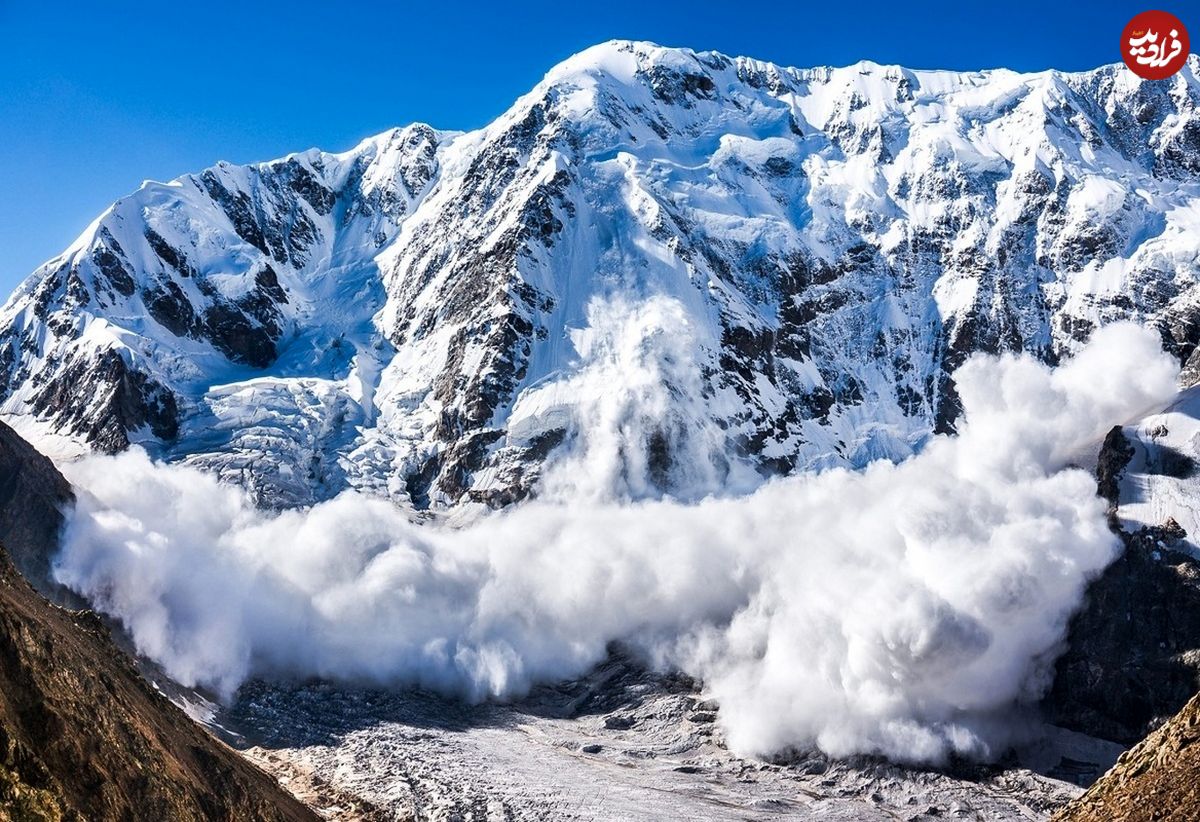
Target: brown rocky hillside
x,y
1158,779
84,737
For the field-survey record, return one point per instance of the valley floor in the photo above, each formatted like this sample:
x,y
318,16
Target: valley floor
x,y
621,744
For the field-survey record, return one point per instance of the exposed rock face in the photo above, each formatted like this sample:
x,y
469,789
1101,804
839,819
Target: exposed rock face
x,y
1115,454
1159,779
413,317
1134,649
83,736
1133,654
32,497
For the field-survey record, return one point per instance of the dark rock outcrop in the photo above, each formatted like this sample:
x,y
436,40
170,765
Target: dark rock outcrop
x,y
1115,454
32,496
123,400
1133,656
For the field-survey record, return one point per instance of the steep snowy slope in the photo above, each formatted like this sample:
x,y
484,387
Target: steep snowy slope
x,y
694,270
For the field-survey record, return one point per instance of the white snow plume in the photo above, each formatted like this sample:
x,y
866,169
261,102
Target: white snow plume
x,y
903,610
638,421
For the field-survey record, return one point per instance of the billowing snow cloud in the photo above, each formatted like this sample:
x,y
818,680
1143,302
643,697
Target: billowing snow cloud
x,y
901,610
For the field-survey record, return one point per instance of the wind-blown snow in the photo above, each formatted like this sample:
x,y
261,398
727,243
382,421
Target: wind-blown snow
x,y
904,610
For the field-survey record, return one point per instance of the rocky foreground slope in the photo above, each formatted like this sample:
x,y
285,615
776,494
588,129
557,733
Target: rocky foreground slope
x,y
742,267
82,735
1158,779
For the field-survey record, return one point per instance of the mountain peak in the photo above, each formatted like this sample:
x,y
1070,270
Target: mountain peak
x,y
801,256
617,58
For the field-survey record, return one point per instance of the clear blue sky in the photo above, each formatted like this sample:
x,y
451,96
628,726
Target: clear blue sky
x,y
97,96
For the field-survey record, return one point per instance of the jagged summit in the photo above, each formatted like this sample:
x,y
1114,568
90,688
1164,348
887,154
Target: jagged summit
x,y
741,268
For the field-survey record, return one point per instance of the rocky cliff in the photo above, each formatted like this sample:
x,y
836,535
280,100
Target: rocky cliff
x,y
33,495
82,734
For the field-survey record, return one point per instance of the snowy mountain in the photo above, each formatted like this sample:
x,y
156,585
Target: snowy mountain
x,y
654,260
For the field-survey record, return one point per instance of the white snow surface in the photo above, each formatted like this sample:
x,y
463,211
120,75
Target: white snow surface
x,y
801,256
1162,479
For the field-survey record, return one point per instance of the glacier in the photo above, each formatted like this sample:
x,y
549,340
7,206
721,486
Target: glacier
x,y
434,317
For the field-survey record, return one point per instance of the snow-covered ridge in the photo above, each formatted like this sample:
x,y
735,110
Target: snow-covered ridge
x,y
687,270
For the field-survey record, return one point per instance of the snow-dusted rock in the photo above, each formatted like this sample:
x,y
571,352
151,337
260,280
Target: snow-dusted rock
x,y
694,269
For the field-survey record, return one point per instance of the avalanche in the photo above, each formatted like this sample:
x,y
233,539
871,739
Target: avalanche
x,y
905,610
